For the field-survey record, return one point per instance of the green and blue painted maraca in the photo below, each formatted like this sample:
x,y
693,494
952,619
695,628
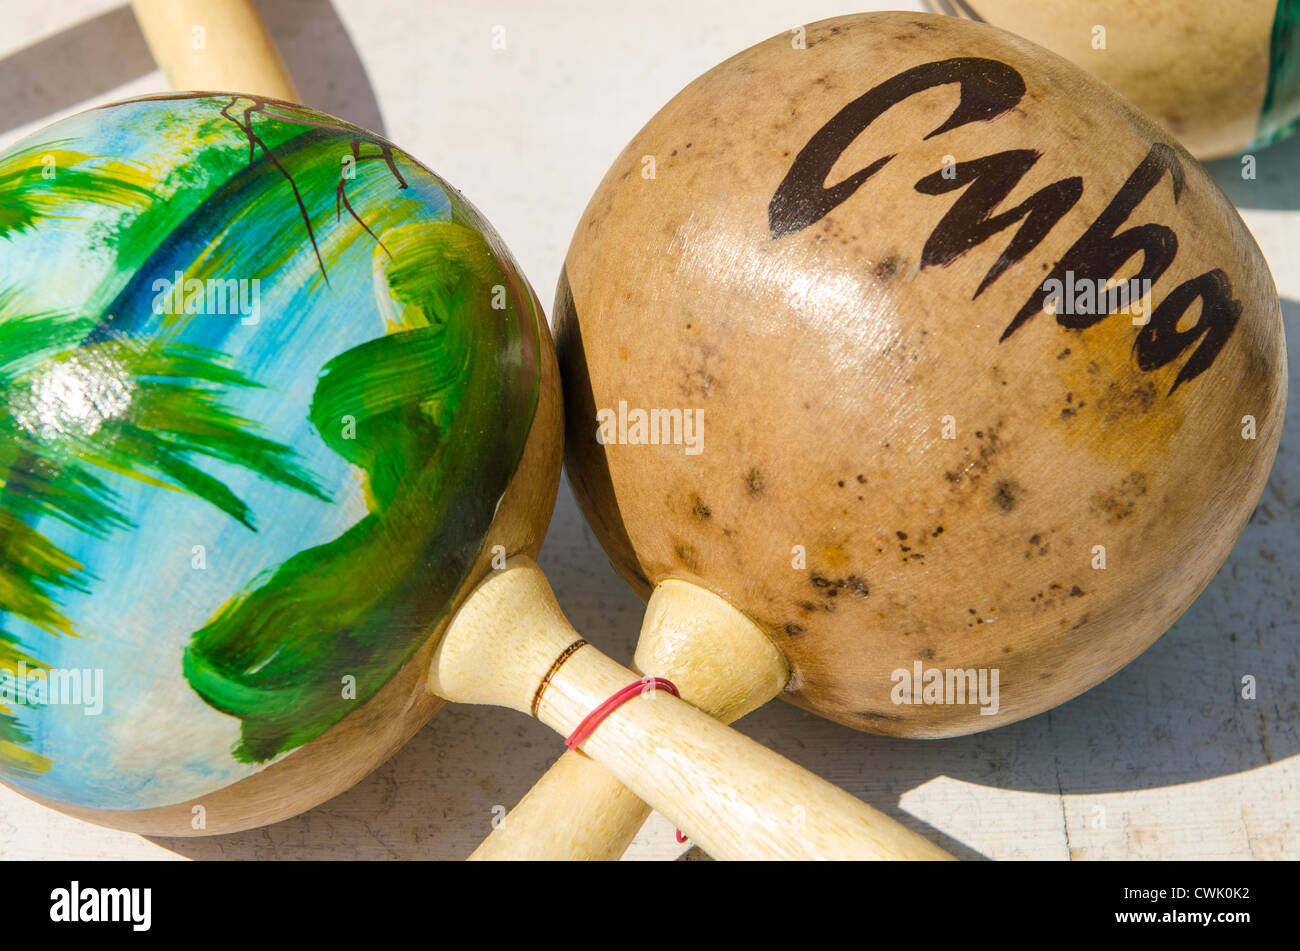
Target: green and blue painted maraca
x,y
264,380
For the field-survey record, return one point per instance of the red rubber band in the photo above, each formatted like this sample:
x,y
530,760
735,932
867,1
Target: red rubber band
x,y
597,716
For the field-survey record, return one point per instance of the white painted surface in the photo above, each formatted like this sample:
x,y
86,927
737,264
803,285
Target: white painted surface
x,y
1165,760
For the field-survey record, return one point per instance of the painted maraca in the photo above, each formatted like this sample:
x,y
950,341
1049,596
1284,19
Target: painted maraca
x,y
1222,77
266,381
977,404
276,398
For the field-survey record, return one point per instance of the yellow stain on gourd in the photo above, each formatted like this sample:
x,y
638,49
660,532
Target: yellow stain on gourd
x,y
1107,404
833,557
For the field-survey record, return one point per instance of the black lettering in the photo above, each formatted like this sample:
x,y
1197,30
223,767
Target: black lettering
x,y
1160,341
1100,252
968,223
988,89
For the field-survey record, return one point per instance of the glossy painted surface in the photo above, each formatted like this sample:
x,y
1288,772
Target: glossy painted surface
x,y
263,381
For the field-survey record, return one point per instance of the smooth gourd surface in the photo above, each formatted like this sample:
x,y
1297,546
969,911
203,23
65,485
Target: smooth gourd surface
x,y
264,380
838,249
1221,77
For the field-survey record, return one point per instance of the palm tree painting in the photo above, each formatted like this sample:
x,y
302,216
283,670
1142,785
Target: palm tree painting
x,y
231,510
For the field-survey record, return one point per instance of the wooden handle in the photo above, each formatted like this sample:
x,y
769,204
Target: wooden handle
x,y
217,45
720,661
511,645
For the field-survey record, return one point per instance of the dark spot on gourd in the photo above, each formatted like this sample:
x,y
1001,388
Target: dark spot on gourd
x,y
699,509
794,630
1076,592
687,555
886,268
901,535
1006,494
754,482
927,653
1120,502
1118,401
877,715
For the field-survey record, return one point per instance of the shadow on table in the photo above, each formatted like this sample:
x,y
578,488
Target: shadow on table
x,y
1274,185
108,51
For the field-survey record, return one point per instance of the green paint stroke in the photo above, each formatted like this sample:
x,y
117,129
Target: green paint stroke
x,y
434,417
41,182
1280,115
151,410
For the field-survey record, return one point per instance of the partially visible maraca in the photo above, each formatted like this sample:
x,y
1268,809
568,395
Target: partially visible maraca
x,y
983,376
1222,77
275,399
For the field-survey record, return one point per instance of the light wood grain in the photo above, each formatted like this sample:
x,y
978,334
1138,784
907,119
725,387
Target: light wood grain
x,y
214,45
734,798
718,659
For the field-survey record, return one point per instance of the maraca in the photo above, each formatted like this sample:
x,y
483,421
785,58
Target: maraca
x,y
1222,77
276,400
260,416
988,372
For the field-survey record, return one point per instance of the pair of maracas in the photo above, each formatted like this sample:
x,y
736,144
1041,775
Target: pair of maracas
x,y
288,411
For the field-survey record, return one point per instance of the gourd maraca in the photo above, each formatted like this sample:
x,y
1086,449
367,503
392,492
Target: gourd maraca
x,y
260,413
276,398
1222,77
885,273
